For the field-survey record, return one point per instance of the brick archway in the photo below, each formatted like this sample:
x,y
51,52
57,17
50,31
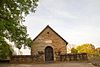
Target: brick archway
x,y
49,56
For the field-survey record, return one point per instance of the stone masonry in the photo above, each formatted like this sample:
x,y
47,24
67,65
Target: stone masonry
x,y
48,37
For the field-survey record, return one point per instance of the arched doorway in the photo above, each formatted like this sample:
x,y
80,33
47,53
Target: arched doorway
x,y
49,57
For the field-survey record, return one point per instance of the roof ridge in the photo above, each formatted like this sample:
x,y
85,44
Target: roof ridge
x,y
53,31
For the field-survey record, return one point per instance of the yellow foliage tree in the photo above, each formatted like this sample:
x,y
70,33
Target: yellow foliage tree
x,y
86,48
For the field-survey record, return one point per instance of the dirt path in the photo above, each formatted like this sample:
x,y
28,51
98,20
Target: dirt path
x,y
49,65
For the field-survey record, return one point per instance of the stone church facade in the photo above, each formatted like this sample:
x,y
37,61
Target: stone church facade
x,y
46,47
48,44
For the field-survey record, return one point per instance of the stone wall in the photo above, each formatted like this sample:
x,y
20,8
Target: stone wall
x,y
21,59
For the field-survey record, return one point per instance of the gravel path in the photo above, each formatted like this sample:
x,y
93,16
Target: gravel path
x,y
49,65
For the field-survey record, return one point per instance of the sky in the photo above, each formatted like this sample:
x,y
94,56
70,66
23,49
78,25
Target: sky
x,y
77,21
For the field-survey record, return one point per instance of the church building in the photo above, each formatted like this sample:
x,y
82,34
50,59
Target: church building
x,y
49,44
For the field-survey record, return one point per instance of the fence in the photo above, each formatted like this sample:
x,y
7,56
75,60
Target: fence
x,y
73,57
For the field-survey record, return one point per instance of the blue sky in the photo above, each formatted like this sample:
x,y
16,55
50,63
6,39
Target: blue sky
x,y
77,21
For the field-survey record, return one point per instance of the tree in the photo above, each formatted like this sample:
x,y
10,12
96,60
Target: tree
x,y
86,48
73,50
98,51
5,51
12,13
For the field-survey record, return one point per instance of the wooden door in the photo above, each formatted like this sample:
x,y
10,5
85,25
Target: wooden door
x,y
49,57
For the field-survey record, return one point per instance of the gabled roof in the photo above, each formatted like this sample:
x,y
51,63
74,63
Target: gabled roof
x,y
53,31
